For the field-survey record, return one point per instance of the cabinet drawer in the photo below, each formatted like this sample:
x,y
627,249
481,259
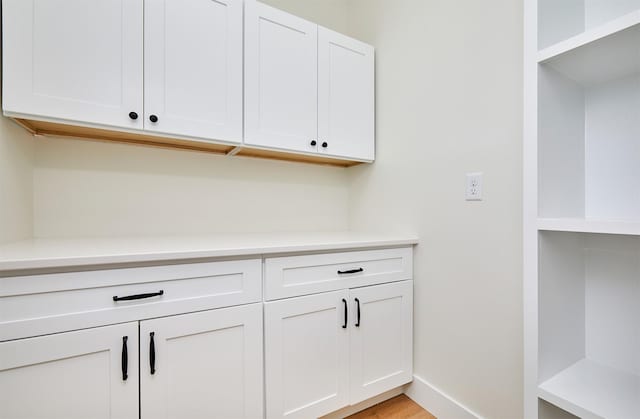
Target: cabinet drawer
x,y
42,304
301,275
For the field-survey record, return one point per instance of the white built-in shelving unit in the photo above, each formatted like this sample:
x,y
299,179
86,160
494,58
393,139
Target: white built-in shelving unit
x,y
582,209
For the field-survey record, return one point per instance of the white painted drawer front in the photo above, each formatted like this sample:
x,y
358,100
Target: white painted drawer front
x,y
41,304
302,275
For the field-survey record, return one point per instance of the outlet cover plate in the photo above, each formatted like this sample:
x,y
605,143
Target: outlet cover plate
x,y
474,186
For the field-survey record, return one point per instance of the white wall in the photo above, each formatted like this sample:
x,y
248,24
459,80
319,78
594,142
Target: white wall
x,y
598,12
449,101
329,13
85,188
16,192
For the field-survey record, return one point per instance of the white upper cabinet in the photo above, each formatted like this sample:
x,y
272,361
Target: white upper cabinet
x,y
193,68
346,98
186,72
307,88
280,79
74,60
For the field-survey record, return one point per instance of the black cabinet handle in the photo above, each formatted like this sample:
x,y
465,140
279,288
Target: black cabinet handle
x,y
344,326
314,142
325,145
352,271
133,115
153,118
152,354
358,313
138,296
125,358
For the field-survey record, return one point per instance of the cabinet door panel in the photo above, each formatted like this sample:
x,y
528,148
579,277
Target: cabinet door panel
x,y
207,365
77,60
280,79
306,356
193,68
70,375
345,96
381,343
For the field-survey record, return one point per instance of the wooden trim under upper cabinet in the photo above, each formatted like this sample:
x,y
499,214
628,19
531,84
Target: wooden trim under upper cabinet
x,y
87,133
304,158
97,134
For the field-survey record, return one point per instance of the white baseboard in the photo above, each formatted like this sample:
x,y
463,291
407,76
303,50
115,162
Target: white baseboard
x,y
437,402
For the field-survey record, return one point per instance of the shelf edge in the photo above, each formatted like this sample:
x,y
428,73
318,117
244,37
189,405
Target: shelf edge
x,y
577,225
566,405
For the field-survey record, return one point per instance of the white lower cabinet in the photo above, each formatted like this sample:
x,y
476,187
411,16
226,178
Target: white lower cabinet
x,y
307,355
203,365
84,374
381,339
196,340
199,365
329,350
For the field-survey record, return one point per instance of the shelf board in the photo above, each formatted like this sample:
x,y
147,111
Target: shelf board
x,y
590,390
608,52
586,225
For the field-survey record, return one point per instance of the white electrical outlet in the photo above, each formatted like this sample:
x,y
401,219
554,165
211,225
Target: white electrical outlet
x,y
474,186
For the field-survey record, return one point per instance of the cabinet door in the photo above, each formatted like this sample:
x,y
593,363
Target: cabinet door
x,y
71,375
205,365
280,79
193,68
381,339
346,100
76,60
306,355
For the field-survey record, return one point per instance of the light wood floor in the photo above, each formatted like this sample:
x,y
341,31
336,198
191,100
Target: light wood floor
x,y
400,407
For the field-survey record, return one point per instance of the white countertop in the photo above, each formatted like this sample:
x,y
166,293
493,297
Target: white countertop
x,y
59,253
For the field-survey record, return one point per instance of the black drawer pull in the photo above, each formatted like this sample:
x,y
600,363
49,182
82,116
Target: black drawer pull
x,y
352,271
125,358
152,354
358,313
344,326
138,296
